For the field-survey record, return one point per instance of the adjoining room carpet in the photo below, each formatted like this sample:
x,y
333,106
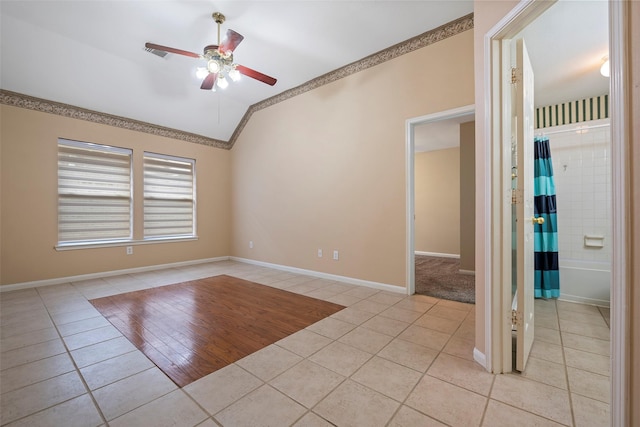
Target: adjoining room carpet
x,y
439,277
194,328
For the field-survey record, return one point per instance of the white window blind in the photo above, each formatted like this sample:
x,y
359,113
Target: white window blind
x,y
169,196
94,193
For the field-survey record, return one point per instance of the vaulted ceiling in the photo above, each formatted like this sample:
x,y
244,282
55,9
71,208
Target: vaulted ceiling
x,y
90,53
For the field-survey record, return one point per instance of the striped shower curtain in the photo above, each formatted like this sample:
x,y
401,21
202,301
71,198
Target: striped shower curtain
x,y
547,277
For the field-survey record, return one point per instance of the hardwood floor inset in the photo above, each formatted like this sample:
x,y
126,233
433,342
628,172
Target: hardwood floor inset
x,y
194,328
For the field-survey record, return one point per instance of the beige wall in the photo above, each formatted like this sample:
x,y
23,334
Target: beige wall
x,y
326,169
437,201
467,196
29,206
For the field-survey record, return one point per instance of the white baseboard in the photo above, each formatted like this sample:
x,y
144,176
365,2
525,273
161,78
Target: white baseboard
x,y
584,300
437,254
61,280
480,357
344,279
467,272
68,279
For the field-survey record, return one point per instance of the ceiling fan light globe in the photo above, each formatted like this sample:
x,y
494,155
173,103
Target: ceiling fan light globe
x,y
234,75
222,82
213,66
201,72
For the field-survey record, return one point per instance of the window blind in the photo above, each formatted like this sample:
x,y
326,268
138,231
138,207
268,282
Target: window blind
x,y
169,196
94,192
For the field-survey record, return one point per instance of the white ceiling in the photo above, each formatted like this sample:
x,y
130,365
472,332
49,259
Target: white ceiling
x,y
90,53
439,135
566,45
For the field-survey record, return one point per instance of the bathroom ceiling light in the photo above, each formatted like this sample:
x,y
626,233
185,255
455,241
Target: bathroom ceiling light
x,y
604,69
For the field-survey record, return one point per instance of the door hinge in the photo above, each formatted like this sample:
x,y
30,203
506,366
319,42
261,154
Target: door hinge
x,y
517,196
515,319
515,76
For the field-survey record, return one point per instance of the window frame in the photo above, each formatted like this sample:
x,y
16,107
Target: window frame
x,y
193,199
93,242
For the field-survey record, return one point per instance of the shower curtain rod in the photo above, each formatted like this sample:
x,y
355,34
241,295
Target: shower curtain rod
x,y
542,132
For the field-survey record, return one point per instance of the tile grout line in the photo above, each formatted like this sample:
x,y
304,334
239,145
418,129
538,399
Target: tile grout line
x,y
307,410
564,362
425,373
440,352
136,349
486,406
75,365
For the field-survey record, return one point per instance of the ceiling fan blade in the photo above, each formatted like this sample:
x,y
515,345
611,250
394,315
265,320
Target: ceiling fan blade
x,y
231,41
209,81
256,75
171,50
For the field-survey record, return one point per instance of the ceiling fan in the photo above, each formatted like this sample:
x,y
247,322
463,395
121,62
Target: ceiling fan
x,y
219,60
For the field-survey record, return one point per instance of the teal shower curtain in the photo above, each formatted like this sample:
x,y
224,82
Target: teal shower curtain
x,y
547,275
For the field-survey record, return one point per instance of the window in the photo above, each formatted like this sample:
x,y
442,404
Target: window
x,y
169,196
94,193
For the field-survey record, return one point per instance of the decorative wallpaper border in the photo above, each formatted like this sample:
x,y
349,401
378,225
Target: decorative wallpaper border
x,y
583,110
430,37
65,110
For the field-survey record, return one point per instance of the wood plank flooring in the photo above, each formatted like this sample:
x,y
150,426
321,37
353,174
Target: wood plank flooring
x,y
194,328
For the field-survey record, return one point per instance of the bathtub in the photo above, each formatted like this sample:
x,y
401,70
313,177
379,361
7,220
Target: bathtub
x,y
586,282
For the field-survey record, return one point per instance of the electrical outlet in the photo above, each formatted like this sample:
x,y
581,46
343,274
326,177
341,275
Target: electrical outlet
x,y
129,250
335,255
319,253
250,244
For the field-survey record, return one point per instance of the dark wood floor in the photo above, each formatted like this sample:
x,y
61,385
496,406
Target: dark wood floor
x,y
194,328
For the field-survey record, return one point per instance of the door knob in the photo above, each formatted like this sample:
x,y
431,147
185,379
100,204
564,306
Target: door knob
x,y
538,220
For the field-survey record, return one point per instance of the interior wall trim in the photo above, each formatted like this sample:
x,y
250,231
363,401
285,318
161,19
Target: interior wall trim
x,y
321,275
430,37
99,275
479,357
574,112
437,254
65,110
443,32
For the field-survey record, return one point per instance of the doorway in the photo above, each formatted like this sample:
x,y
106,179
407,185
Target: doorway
x,y
413,125
508,28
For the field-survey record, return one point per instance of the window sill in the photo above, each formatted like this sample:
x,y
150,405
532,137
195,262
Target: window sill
x,y
107,244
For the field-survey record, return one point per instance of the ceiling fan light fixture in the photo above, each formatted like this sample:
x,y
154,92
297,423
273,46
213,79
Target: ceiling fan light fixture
x,y
218,60
222,82
201,72
213,66
604,69
234,75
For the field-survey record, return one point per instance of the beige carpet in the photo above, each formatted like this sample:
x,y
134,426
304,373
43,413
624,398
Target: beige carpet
x,y
439,277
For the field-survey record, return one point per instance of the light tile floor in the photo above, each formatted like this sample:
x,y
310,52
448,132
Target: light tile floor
x,y
386,360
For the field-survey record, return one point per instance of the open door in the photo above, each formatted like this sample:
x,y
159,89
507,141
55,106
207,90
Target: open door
x,y
523,318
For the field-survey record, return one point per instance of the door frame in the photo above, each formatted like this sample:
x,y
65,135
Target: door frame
x,y
410,182
496,322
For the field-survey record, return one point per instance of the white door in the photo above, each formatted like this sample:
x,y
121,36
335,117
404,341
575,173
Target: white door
x,y
524,204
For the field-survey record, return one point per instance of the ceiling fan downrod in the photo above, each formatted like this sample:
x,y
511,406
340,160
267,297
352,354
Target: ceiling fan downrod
x,y
219,19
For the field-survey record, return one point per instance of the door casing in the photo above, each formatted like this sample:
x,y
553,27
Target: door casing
x,y
410,181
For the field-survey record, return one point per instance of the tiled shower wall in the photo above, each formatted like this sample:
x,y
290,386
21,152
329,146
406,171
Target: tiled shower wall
x,y
582,171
